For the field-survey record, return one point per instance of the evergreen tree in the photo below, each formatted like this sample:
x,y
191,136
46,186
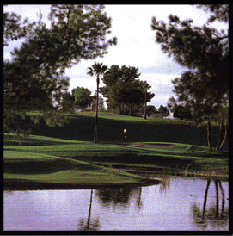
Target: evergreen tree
x,y
204,51
36,73
83,97
123,90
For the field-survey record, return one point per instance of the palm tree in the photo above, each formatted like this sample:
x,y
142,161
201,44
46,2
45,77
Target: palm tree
x,y
97,69
146,87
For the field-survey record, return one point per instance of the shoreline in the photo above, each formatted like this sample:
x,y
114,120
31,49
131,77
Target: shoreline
x,y
14,185
198,174
29,185
139,163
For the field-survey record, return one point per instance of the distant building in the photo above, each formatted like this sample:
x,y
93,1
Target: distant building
x,y
78,110
170,117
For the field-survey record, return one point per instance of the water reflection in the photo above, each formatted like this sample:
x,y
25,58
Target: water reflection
x,y
165,184
116,197
93,225
139,201
176,204
211,216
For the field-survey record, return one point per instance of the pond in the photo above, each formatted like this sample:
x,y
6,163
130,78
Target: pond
x,y
176,204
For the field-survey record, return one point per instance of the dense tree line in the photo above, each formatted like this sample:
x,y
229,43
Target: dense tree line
x,y
203,90
35,74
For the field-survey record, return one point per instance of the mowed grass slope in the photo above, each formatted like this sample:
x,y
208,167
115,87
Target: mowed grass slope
x,y
111,129
34,165
67,155
82,159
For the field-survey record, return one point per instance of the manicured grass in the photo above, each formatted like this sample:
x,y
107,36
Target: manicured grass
x,y
66,155
81,162
22,167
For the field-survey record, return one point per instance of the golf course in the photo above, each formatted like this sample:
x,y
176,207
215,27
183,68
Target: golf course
x,y
129,151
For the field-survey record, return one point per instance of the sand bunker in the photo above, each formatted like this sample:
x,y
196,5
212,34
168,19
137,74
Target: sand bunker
x,y
161,145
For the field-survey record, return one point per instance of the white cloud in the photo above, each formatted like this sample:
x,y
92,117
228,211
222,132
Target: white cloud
x,y
159,78
161,86
159,100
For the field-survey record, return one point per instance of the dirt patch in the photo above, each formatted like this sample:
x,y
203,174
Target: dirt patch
x,y
162,145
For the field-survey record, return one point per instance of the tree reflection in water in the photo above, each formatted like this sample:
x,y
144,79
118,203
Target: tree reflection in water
x,y
122,197
93,225
108,197
165,182
139,201
211,215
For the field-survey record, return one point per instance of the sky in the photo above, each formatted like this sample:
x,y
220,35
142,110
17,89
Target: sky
x,y
136,44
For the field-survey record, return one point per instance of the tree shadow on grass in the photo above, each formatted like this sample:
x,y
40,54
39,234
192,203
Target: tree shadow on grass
x,y
82,128
12,166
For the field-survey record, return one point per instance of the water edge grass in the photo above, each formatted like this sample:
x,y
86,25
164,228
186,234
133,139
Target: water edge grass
x,y
72,162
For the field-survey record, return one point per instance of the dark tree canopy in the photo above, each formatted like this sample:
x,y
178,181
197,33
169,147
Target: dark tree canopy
x,y
66,102
82,97
182,113
77,32
123,90
25,88
205,51
220,12
14,28
163,111
35,75
203,48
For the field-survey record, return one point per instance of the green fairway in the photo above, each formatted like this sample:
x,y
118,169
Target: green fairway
x,y
57,161
34,167
67,155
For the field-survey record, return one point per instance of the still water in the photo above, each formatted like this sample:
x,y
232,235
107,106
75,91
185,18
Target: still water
x,y
176,204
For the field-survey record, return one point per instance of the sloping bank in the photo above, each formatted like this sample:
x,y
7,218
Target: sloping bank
x,y
41,162
28,171
29,185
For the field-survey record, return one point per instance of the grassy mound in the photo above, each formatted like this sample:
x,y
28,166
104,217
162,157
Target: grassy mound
x,y
58,163
32,167
111,127
35,163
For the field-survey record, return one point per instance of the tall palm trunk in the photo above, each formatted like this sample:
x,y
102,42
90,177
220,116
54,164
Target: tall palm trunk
x,y
223,131
145,106
120,109
97,69
208,130
96,109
